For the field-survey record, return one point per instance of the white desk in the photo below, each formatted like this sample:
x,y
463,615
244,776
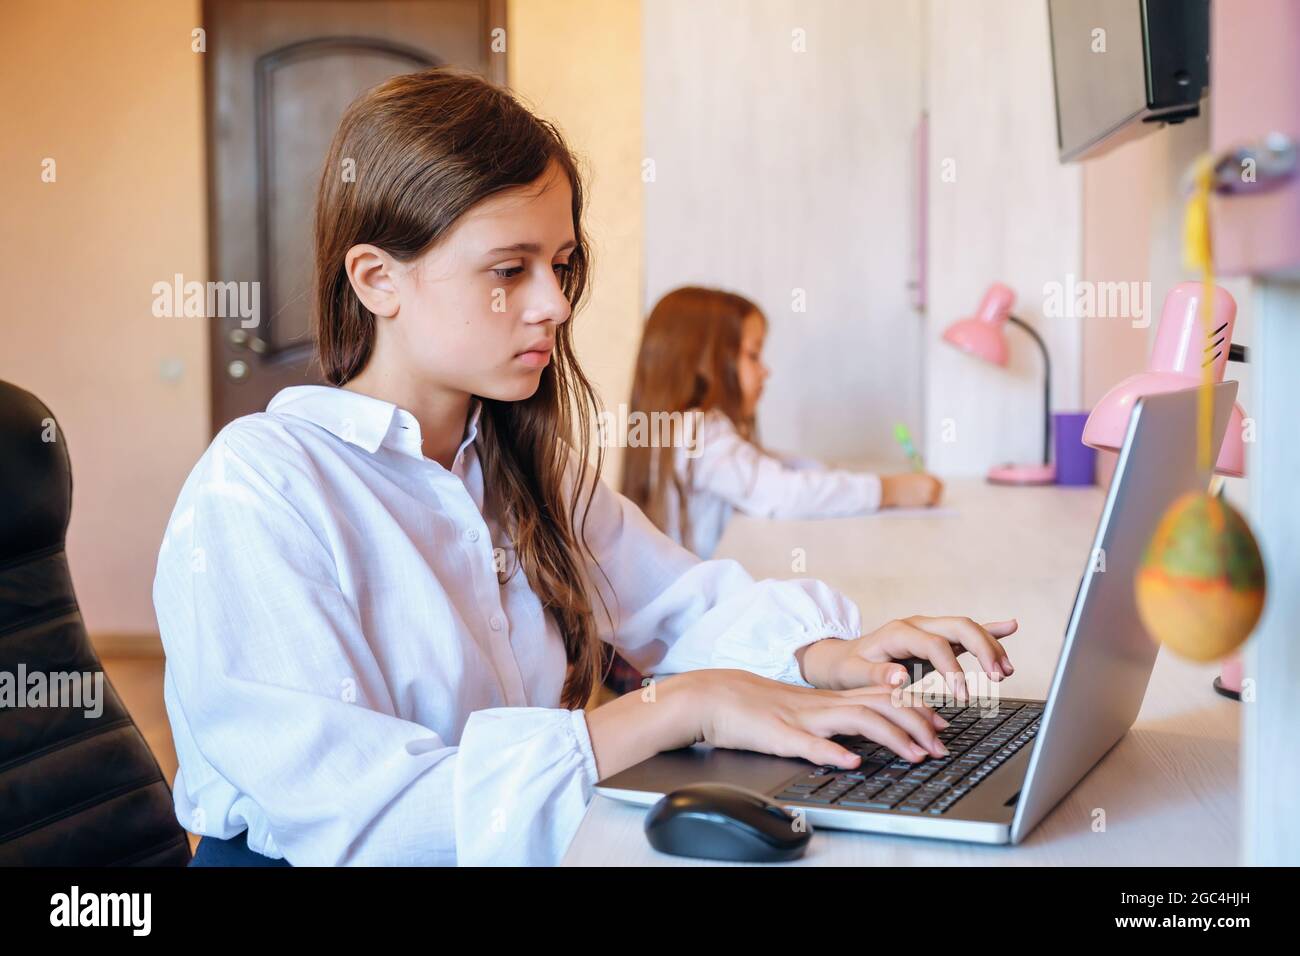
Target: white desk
x,y
1169,789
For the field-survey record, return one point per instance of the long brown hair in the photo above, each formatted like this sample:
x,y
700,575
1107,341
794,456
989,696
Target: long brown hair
x,y
689,351
422,149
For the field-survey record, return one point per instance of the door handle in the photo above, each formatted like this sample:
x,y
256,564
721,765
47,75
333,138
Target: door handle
x,y
239,338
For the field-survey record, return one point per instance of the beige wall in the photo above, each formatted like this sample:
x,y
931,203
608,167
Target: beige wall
x,y
1116,248
1117,211
113,93
578,62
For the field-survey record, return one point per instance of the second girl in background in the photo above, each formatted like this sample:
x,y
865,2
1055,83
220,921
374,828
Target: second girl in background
x,y
701,353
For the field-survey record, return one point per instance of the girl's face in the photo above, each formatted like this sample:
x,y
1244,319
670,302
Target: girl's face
x,y
478,312
749,367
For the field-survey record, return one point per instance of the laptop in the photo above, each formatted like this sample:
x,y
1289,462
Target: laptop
x,y
1010,760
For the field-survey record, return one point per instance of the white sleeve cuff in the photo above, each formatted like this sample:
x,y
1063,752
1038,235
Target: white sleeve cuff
x,y
873,492
789,672
524,777
787,616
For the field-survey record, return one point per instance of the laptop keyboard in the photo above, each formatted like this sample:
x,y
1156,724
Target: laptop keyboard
x,y
979,738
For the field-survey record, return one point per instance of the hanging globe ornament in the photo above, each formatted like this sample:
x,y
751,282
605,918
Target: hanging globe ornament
x,y
1201,585
1200,588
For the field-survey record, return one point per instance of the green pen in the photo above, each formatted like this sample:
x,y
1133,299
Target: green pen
x,y
904,438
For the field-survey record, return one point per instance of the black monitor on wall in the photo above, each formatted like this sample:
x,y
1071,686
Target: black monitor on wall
x,y
1123,67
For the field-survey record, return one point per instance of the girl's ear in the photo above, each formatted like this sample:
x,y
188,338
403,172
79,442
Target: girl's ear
x,y
371,272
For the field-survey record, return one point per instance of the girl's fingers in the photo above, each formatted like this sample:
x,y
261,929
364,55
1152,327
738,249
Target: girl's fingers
x,y
860,672
880,728
1004,629
916,731
819,750
859,719
916,719
938,652
886,695
965,632
979,642
908,730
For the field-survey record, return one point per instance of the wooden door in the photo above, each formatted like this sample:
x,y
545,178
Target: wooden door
x,y
279,75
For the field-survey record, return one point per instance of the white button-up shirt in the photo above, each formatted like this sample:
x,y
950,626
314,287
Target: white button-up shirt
x,y
728,473
348,679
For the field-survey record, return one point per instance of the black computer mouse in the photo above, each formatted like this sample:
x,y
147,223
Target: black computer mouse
x,y
716,821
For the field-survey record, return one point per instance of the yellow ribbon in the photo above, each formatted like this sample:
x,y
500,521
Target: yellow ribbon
x,y
1198,257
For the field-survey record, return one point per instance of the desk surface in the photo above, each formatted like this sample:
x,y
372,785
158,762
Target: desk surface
x,y
1168,789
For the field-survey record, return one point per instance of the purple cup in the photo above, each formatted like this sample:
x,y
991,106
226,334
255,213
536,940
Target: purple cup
x,y
1076,463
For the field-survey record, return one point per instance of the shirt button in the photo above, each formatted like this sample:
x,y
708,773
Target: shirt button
x,y
471,534
496,622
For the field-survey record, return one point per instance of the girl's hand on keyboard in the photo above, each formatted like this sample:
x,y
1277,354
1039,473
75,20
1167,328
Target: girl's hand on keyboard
x,y
743,711
873,659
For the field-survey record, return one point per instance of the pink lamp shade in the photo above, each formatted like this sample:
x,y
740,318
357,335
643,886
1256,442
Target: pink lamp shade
x,y
1176,363
984,334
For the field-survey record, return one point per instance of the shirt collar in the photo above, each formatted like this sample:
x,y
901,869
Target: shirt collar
x,y
363,420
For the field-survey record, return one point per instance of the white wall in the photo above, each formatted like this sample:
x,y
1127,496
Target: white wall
x,y
778,170
1013,214
1270,769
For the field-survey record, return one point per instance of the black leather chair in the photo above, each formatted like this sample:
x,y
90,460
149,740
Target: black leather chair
x,y
75,790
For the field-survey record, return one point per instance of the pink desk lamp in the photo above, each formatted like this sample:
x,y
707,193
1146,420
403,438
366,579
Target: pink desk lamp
x,y
1177,362
984,337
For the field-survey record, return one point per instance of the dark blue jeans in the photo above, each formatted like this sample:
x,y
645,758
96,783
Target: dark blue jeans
x,y
212,851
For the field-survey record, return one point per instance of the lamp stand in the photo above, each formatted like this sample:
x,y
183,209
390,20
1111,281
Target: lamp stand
x,y
1044,474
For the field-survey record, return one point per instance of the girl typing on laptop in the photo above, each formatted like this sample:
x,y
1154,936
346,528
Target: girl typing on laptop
x,y
384,599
